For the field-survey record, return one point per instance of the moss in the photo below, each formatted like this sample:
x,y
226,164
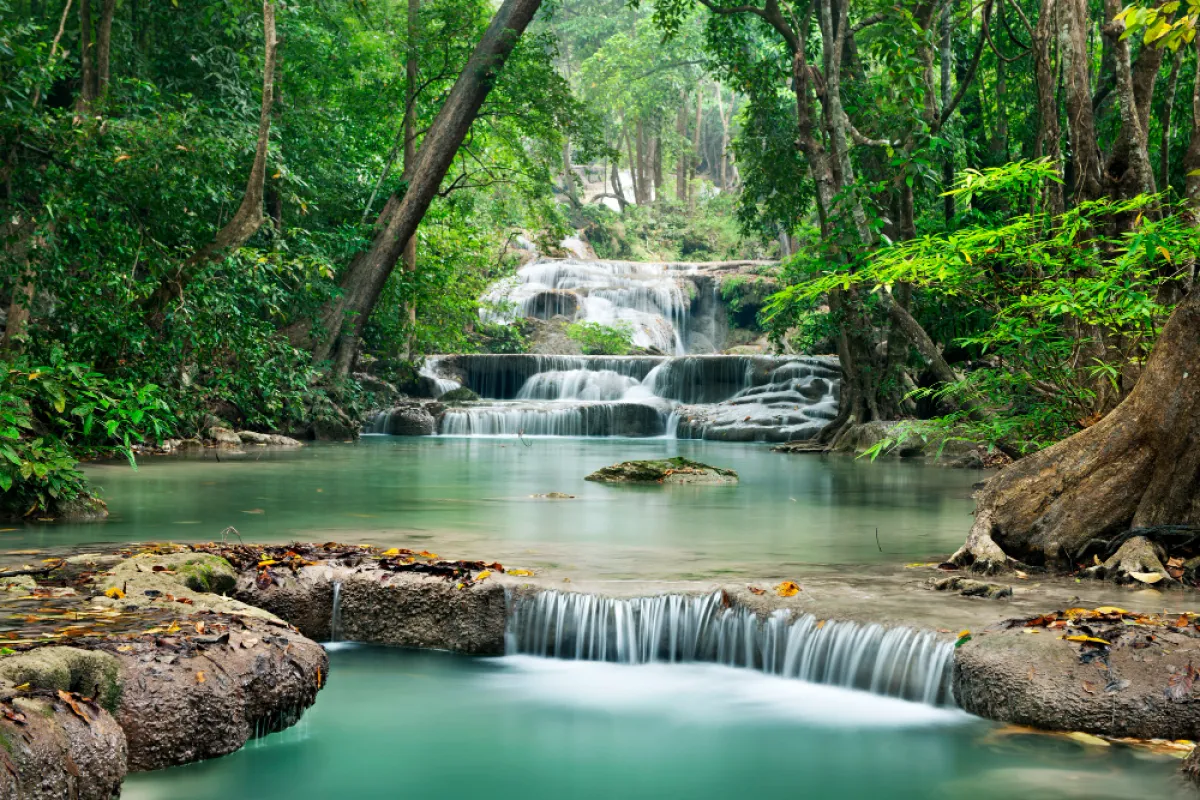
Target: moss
x,y
460,395
88,672
658,470
6,743
208,574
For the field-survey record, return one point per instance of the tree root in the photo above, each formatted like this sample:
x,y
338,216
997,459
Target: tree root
x,y
980,552
1138,556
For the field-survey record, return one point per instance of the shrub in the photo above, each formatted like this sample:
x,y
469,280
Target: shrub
x,y
602,340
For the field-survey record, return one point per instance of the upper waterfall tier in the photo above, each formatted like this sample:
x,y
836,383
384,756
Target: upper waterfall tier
x,y
664,304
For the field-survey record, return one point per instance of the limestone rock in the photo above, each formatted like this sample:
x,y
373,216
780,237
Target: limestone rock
x,y
268,439
224,437
410,419
968,587
667,470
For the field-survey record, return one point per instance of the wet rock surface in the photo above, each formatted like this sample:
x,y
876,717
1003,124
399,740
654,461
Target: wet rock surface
x,y
663,471
1103,671
413,418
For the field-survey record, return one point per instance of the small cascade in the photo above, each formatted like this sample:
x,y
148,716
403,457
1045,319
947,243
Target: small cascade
x,y
438,383
652,299
335,614
897,662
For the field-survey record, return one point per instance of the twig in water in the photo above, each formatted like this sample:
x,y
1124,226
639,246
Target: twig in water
x,y
521,436
228,531
877,544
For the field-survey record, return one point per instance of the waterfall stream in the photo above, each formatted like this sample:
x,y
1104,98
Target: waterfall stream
x,y
896,661
335,613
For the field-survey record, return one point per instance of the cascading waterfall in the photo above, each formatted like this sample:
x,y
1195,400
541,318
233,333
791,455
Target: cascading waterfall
x,y
335,613
737,397
650,298
898,661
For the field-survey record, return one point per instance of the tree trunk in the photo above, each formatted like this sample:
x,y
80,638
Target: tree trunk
x,y
1164,148
695,154
946,62
1048,138
411,70
249,217
1136,468
1138,175
681,156
643,187
87,71
18,235
1191,160
343,318
633,170
104,48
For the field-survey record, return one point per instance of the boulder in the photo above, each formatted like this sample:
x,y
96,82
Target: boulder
x,y
224,437
663,471
410,419
268,439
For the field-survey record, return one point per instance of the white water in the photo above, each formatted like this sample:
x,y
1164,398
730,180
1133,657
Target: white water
x,y
739,398
335,613
652,299
896,662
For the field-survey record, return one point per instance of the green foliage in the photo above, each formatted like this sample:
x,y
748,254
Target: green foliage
x,y
668,232
1066,311
602,340
55,414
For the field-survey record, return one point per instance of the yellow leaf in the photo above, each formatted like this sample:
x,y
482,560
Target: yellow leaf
x,y
787,589
1146,577
122,157
1110,610
115,593
1087,738
173,627
1165,253
483,576
429,555
277,174
24,687
395,551
820,624
200,677
521,573
1082,638
267,562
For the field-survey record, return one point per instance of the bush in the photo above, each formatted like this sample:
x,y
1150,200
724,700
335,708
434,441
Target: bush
x,y
602,340
53,416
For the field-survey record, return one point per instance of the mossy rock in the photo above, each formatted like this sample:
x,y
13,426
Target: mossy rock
x,y
676,470
89,672
460,395
200,572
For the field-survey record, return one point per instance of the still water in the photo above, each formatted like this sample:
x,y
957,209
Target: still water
x,y
405,724
473,498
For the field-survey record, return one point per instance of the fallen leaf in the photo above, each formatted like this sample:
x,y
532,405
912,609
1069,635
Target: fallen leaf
x,y
429,555
1110,610
1089,687
122,157
788,589
820,624
1087,738
69,699
1146,577
267,563
483,576
1088,639
199,627
200,676
756,590
1022,575
395,551
522,573
115,593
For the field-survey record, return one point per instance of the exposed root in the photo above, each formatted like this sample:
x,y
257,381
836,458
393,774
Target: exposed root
x,y
1137,556
980,552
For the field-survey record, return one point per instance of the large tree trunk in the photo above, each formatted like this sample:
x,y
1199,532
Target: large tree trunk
x,y
1138,467
343,319
411,76
249,217
1048,137
104,48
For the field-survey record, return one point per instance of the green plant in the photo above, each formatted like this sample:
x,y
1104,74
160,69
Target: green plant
x,y
54,415
602,340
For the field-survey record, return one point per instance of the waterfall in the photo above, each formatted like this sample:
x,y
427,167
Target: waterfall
x,y
897,661
335,614
652,299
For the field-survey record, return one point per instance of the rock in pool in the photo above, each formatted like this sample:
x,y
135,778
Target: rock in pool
x,y
665,470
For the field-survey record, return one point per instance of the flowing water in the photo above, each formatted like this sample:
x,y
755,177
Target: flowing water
x,y
896,662
395,723
474,498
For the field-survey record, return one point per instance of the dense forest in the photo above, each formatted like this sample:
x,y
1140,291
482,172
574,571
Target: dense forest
x,y
220,211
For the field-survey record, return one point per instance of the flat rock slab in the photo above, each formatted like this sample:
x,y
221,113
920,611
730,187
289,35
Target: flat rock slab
x,y
1097,671
676,470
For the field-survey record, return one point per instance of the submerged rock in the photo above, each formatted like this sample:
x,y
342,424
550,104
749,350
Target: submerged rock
x,y
666,470
968,587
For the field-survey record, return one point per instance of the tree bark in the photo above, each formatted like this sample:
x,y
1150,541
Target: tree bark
x,y
1138,175
1164,148
249,217
1049,135
1191,160
87,72
1136,468
342,320
411,73
18,235
104,48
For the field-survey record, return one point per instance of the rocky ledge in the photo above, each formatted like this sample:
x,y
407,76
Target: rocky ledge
x,y
664,471
115,664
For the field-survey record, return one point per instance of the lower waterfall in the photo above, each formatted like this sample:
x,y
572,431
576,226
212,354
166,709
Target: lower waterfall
x,y
897,662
